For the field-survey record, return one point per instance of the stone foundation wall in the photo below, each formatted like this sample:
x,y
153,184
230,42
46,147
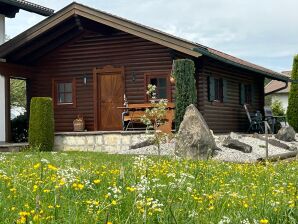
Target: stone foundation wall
x,y
97,141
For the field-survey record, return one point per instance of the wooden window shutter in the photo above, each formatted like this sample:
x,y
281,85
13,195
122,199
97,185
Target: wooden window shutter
x,y
211,88
225,90
253,94
242,93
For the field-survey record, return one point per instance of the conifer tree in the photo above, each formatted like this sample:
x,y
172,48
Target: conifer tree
x,y
292,112
186,92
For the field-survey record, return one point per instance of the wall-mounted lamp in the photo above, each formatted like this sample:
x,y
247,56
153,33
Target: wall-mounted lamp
x,y
133,76
85,80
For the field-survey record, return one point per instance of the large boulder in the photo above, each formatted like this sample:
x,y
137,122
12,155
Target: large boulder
x,y
286,134
194,138
236,144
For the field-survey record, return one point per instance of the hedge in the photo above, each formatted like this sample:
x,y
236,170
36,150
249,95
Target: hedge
x,y
41,124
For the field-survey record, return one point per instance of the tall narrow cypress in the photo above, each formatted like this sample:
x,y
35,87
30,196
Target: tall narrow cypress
x,y
186,92
292,112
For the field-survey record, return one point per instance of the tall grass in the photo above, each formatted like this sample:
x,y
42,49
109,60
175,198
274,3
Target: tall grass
x,y
100,188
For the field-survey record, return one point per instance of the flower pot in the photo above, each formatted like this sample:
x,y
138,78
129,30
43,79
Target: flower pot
x,y
79,124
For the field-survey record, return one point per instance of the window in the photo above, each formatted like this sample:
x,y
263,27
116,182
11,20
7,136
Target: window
x,y
64,92
246,93
247,90
217,89
162,85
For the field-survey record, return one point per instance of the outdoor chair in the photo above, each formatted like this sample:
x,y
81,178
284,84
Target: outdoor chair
x,y
274,121
255,121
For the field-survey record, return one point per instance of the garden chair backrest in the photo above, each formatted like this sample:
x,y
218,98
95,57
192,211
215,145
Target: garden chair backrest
x,y
268,111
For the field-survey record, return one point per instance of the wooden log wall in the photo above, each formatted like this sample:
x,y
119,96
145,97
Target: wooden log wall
x,y
78,58
228,116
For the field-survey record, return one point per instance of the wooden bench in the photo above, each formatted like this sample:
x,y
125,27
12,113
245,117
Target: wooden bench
x,y
136,111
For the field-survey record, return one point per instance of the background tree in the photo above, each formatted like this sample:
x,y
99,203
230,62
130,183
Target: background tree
x,y
186,92
18,93
277,108
292,111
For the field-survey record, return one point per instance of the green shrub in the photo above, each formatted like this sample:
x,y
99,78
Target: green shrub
x,y
277,108
186,92
41,124
292,111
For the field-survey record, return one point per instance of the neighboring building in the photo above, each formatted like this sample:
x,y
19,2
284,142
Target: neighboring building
x,y
9,8
86,60
282,95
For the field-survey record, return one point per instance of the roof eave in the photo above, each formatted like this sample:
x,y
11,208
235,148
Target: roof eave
x,y
30,7
101,17
266,74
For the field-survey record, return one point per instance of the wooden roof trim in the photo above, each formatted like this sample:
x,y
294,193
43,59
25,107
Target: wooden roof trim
x,y
14,70
37,30
137,30
29,6
98,16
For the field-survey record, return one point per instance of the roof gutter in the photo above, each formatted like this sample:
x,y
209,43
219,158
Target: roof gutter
x,y
277,90
207,53
282,88
30,7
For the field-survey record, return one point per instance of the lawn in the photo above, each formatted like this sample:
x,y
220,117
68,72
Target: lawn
x,y
99,188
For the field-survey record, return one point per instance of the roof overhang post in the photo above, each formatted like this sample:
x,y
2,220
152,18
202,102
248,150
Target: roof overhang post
x,y
3,110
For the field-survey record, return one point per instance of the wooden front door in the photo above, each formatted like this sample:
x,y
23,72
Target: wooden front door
x,y
110,91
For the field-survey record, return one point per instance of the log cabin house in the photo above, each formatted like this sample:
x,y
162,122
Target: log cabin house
x,y
86,60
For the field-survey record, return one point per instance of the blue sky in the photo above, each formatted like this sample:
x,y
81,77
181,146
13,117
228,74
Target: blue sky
x,y
263,32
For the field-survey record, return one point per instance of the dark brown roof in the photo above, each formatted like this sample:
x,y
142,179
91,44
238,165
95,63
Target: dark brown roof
x,y
274,84
10,7
154,35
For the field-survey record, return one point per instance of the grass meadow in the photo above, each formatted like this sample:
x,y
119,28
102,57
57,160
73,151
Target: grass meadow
x,y
99,188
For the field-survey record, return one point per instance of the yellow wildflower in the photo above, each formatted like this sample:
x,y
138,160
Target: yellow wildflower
x,y
264,221
97,181
51,167
114,202
36,166
130,189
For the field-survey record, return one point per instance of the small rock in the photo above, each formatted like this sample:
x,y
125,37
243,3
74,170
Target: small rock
x,y
236,144
278,144
147,142
286,134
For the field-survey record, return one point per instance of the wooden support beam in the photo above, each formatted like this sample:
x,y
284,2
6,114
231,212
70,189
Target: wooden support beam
x,y
43,41
54,44
14,70
7,110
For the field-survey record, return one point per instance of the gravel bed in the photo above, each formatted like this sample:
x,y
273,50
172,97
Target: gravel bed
x,y
166,149
226,154
258,150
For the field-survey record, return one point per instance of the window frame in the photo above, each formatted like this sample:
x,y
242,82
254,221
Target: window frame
x,y
55,93
213,97
219,90
246,99
148,76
